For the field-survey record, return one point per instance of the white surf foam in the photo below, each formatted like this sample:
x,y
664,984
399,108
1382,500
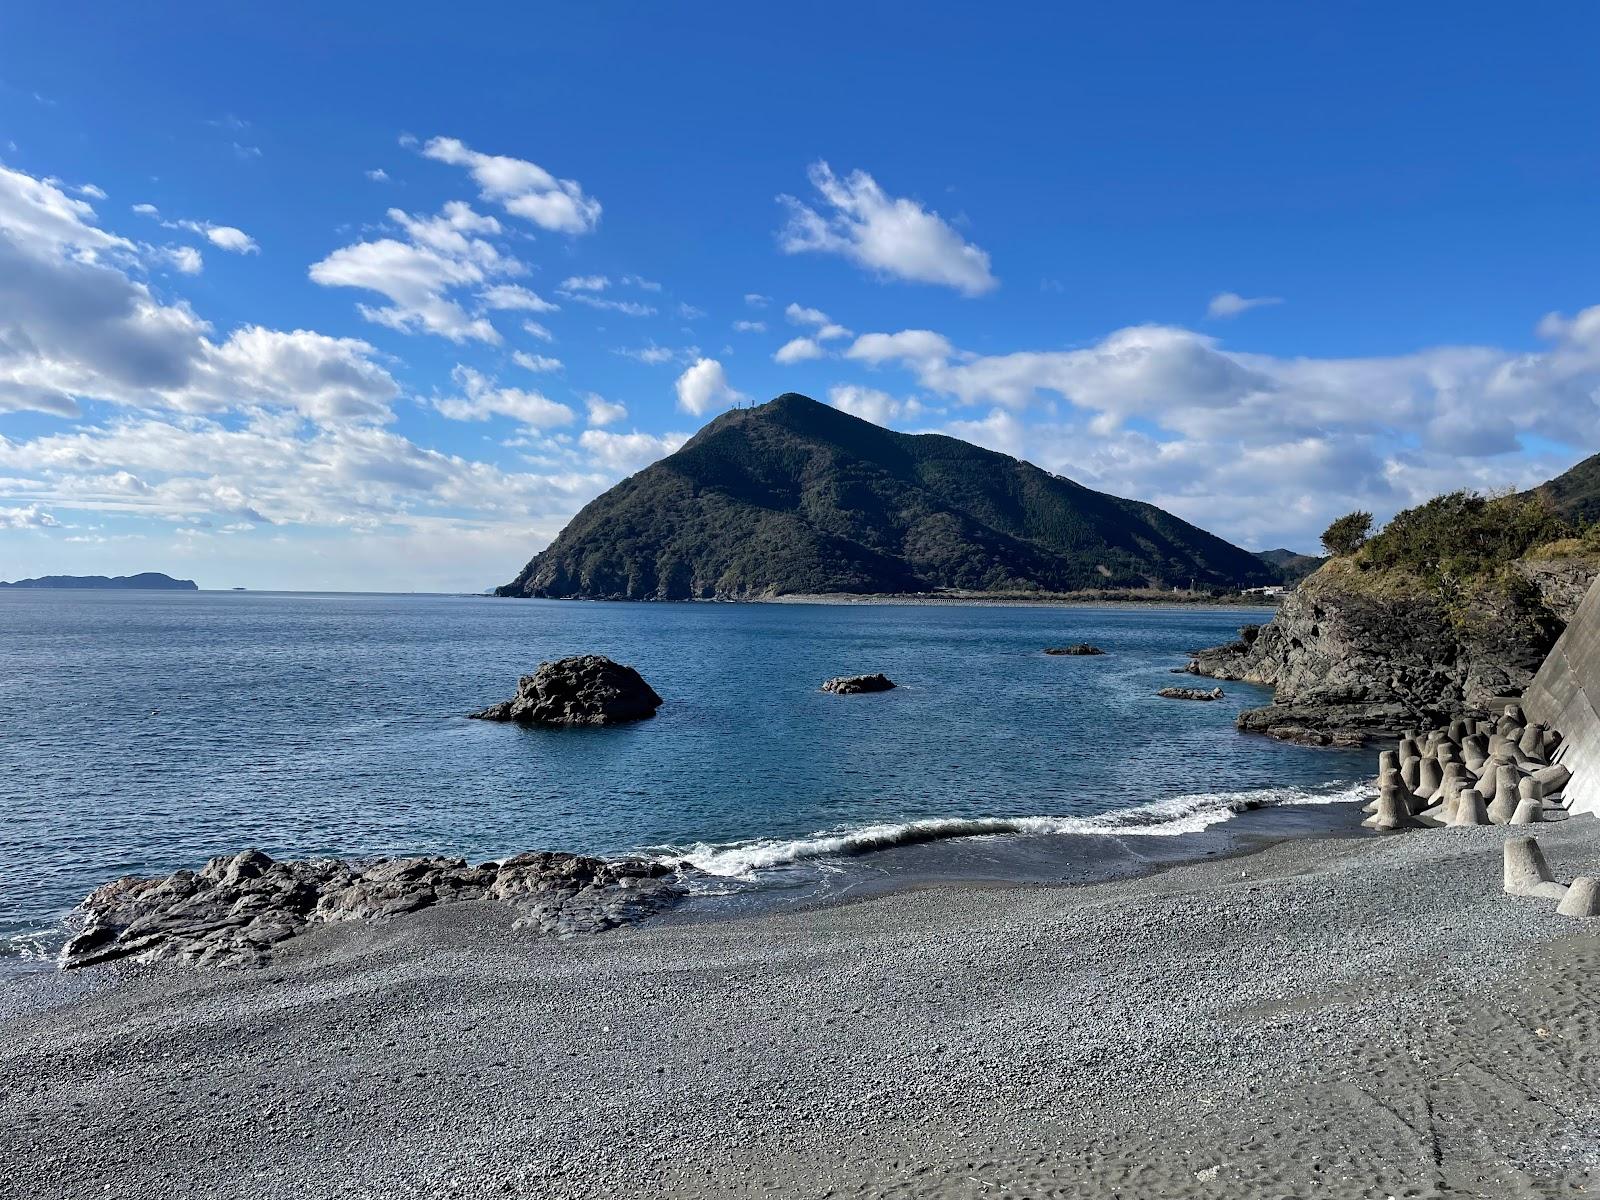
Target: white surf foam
x,y
1162,818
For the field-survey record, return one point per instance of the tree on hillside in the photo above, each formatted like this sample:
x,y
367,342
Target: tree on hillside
x,y
1348,534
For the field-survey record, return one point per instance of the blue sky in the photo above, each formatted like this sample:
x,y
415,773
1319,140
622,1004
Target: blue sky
x,y
290,298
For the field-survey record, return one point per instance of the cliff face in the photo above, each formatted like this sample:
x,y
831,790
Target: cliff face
x,y
795,496
1351,657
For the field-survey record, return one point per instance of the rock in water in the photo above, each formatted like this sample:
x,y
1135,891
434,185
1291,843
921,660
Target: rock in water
x,y
1081,648
586,689
850,685
1175,693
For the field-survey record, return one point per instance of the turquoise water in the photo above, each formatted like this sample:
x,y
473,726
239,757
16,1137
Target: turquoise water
x,y
143,732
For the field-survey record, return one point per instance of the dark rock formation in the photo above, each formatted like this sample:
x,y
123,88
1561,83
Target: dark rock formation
x,y
236,908
144,581
1353,657
586,689
798,497
1178,693
850,685
1082,649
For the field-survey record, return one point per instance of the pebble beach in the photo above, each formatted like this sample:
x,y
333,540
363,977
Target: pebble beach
x,y
1342,1018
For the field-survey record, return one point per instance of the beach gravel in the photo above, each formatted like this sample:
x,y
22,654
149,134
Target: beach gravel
x,y
1367,1018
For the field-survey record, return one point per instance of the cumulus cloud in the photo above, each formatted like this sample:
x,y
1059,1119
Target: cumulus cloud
x,y
538,331
798,349
749,326
757,300
76,325
31,517
482,399
873,405
1264,448
824,328
893,237
704,388
441,253
521,188
603,411
628,308
377,175
629,451
585,283
1231,304
184,258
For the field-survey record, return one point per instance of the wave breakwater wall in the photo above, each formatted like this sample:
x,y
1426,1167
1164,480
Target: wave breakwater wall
x,y
1565,694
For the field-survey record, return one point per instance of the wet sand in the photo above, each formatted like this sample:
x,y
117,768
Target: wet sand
x,y
1341,1018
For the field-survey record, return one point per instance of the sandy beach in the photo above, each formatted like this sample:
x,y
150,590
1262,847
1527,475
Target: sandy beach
x,y
1342,1018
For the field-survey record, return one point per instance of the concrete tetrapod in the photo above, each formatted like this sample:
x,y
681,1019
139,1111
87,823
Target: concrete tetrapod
x,y
1530,788
1529,812
1411,773
1527,873
1430,777
1506,795
1469,810
1394,809
1553,779
1582,898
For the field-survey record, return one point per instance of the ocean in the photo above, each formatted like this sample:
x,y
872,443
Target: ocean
x,y
147,731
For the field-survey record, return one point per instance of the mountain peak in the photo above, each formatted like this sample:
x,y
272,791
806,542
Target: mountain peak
x,y
795,496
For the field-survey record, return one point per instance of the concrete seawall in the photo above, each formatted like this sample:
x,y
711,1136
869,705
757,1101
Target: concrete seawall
x,y
1565,694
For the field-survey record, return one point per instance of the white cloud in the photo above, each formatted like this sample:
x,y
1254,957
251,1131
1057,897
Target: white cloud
x,y
377,175
826,330
870,404
750,326
585,283
1231,304
757,300
535,362
1268,449
184,258
515,296
653,355
799,349
224,237
483,400
91,191
704,387
629,451
74,325
603,411
443,253
643,284
522,188
538,331
31,517
892,237
628,308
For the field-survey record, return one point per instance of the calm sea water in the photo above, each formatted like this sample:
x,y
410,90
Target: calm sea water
x,y
142,732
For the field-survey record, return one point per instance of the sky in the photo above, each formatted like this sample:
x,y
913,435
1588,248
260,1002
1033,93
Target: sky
x,y
292,297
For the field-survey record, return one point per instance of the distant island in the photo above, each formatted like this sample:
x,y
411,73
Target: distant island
x,y
794,497
147,581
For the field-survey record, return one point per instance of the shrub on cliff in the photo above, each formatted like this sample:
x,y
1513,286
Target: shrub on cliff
x,y
1463,535
1347,535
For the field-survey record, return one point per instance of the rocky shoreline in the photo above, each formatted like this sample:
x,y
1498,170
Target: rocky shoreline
x,y
237,908
1351,661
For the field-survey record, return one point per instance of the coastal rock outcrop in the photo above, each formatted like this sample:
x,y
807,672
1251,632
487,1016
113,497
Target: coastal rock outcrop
x,y
233,910
850,685
1351,659
1079,649
1178,693
586,689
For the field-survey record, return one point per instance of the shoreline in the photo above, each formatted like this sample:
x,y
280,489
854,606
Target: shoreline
x,y
1324,1016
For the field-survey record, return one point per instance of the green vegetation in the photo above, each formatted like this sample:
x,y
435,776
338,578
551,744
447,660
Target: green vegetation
x,y
1291,567
1464,535
1346,535
795,497
1575,495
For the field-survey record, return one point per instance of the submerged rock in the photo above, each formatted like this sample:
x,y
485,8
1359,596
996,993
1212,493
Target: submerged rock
x,y
1081,648
1177,693
237,907
586,689
850,685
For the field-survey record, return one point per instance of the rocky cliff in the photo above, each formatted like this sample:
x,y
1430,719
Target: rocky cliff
x,y
1353,655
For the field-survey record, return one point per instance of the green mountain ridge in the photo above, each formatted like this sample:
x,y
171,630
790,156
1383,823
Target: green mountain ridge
x,y
144,581
1575,494
796,497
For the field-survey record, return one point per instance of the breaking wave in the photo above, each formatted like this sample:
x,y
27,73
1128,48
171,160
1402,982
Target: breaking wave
x,y
1161,818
